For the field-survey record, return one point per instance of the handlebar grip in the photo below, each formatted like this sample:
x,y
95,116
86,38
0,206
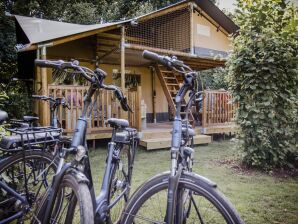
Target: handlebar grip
x,y
37,96
156,58
45,63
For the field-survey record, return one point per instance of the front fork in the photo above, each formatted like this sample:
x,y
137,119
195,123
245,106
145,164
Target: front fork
x,y
175,172
172,194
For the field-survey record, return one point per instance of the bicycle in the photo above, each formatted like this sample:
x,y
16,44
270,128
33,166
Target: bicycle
x,y
55,103
25,176
29,158
179,195
61,204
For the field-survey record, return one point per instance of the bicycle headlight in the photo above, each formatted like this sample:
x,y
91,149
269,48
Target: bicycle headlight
x,y
81,152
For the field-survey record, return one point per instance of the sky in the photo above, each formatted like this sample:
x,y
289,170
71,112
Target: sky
x,y
227,4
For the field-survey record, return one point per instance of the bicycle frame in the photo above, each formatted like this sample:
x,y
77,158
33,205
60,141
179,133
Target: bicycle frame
x,y
19,197
100,203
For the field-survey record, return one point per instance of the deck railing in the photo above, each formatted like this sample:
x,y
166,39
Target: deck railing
x,y
218,108
104,106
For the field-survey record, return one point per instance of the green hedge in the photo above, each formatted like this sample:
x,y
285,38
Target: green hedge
x,y
264,80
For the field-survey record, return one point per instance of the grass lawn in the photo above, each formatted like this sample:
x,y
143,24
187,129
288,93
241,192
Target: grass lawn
x,y
258,197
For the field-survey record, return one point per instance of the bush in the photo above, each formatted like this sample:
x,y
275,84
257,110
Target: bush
x,y
264,80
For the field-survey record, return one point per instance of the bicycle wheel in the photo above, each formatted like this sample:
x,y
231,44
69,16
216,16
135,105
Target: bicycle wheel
x,y
119,183
200,202
40,168
73,203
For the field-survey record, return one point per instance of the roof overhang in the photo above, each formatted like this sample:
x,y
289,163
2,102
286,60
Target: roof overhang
x,y
41,32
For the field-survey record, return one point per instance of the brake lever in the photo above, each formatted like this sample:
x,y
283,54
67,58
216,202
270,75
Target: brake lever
x,y
125,105
123,100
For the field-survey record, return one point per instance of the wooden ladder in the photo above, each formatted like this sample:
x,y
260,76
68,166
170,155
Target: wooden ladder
x,y
170,82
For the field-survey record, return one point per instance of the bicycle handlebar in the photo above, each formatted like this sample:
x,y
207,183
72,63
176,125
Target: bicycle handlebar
x,y
164,60
60,64
92,76
170,62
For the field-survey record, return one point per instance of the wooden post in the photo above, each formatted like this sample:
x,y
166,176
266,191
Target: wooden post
x,y
44,90
123,58
123,114
204,115
37,85
153,94
138,109
191,29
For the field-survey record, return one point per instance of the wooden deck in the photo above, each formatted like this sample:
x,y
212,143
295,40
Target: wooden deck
x,y
158,136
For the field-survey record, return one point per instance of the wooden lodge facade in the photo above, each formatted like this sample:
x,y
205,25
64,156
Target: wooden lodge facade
x,y
197,32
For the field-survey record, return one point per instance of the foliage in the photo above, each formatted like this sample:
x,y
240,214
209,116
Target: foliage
x,y
13,95
215,78
263,77
81,12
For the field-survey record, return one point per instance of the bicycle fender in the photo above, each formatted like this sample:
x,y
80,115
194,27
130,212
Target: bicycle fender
x,y
80,177
165,177
200,178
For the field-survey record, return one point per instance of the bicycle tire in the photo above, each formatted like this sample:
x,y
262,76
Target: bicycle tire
x,y
81,212
11,169
194,184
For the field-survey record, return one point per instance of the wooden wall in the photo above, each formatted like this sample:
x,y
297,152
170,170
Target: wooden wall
x,y
205,35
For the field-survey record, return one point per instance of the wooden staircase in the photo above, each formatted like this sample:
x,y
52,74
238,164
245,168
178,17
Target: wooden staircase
x,y
170,82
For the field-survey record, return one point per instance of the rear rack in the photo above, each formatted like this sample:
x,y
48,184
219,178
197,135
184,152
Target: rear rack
x,y
27,137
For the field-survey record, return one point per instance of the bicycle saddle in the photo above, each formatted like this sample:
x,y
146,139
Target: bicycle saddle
x,y
3,116
30,118
118,123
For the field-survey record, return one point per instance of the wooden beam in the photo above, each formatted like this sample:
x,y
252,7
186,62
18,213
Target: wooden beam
x,y
106,48
138,109
169,52
44,90
191,29
108,53
119,37
123,58
108,42
204,118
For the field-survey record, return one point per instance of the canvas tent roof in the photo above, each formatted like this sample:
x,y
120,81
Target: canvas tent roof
x,y
41,30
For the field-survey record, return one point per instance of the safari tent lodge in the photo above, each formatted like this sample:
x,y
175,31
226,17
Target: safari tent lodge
x,y
197,32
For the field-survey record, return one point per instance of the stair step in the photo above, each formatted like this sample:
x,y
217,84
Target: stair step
x,y
169,77
164,71
159,143
172,84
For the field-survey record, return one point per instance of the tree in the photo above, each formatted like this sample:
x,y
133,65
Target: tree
x,y
215,78
263,77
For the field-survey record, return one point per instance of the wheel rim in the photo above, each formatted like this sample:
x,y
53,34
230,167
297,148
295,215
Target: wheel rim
x,y
39,172
195,208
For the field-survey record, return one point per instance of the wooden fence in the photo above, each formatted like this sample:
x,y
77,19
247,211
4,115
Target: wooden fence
x,y
104,106
218,108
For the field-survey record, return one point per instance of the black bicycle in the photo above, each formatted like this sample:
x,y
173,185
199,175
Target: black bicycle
x,y
28,162
179,196
55,103
26,174
71,197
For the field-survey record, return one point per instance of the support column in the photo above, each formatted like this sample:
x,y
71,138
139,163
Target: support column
x,y
37,85
44,90
124,114
191,29
123,58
